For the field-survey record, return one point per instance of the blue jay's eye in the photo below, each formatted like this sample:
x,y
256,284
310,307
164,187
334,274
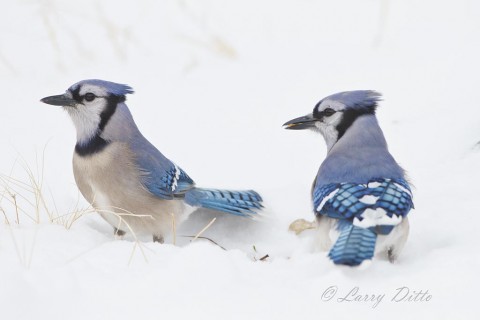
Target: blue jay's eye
x,y
328,112
89,97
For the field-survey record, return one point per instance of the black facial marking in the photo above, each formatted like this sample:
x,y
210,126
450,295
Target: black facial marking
x,y
76,95
349,117
96,144
109,110
317,114
320,114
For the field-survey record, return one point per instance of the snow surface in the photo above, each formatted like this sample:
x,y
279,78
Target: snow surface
x,y
214,82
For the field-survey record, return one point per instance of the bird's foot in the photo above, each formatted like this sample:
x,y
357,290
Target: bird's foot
x,y
158,239
118,233
392,257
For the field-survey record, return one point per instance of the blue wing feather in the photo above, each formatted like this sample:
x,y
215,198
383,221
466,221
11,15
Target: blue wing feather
x,y
169,183
346,200
160,176
242,203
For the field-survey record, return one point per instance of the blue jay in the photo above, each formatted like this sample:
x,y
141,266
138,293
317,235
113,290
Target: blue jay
x,y
360,193
118,170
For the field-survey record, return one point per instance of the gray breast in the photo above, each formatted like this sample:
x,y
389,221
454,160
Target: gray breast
x,y
110,181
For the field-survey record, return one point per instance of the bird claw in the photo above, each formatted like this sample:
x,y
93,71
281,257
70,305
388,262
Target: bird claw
x,y
158,239
391,256
118,233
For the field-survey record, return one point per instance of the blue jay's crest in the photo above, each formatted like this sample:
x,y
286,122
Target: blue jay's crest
x,y
360,100
378,205
113,88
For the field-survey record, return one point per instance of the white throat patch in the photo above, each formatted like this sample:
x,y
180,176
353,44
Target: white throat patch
x,y
86,122
327,128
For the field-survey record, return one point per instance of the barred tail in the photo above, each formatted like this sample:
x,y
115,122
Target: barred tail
x,y
240,203
353,246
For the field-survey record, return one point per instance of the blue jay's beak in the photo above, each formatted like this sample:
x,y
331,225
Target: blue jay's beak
x,y
60,100
305,122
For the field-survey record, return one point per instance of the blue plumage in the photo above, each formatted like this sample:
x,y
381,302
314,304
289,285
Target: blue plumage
x,y
113,88
241,203
348,201
118,170
166,180
365,100
359,186
169,183
353,246
344,200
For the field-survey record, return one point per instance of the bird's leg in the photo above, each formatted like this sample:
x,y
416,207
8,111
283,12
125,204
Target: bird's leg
x,y
391,255
158,239
118,233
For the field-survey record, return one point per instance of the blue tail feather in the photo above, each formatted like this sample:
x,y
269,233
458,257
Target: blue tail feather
x,y
353,246
240,203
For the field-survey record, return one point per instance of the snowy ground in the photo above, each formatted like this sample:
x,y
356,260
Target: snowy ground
x,y
214,83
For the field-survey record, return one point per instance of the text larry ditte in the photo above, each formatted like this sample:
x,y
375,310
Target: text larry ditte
x,y
356,295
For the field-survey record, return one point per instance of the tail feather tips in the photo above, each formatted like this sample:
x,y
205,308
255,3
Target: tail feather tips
x,y
240,203
353,246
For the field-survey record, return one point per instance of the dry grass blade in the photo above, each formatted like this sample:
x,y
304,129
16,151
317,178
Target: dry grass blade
x,y
16,207
14,197
130,214
26,194
174,229
7,222
19,196
204,229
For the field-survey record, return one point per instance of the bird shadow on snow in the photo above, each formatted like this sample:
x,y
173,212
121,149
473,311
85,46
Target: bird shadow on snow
x,y
256,237
231,232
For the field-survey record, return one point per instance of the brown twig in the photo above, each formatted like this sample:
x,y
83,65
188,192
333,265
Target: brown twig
x,y
205,238
264,257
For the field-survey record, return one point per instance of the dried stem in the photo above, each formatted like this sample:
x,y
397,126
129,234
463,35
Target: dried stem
x,y
174,229
7,222
204,229
14,196
205,238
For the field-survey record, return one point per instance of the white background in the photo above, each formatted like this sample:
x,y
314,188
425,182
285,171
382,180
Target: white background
x,y
214,82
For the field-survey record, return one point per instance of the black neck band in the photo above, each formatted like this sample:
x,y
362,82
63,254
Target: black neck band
x,y
349,117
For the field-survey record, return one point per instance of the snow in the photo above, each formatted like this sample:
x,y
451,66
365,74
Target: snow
x,y
214,82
